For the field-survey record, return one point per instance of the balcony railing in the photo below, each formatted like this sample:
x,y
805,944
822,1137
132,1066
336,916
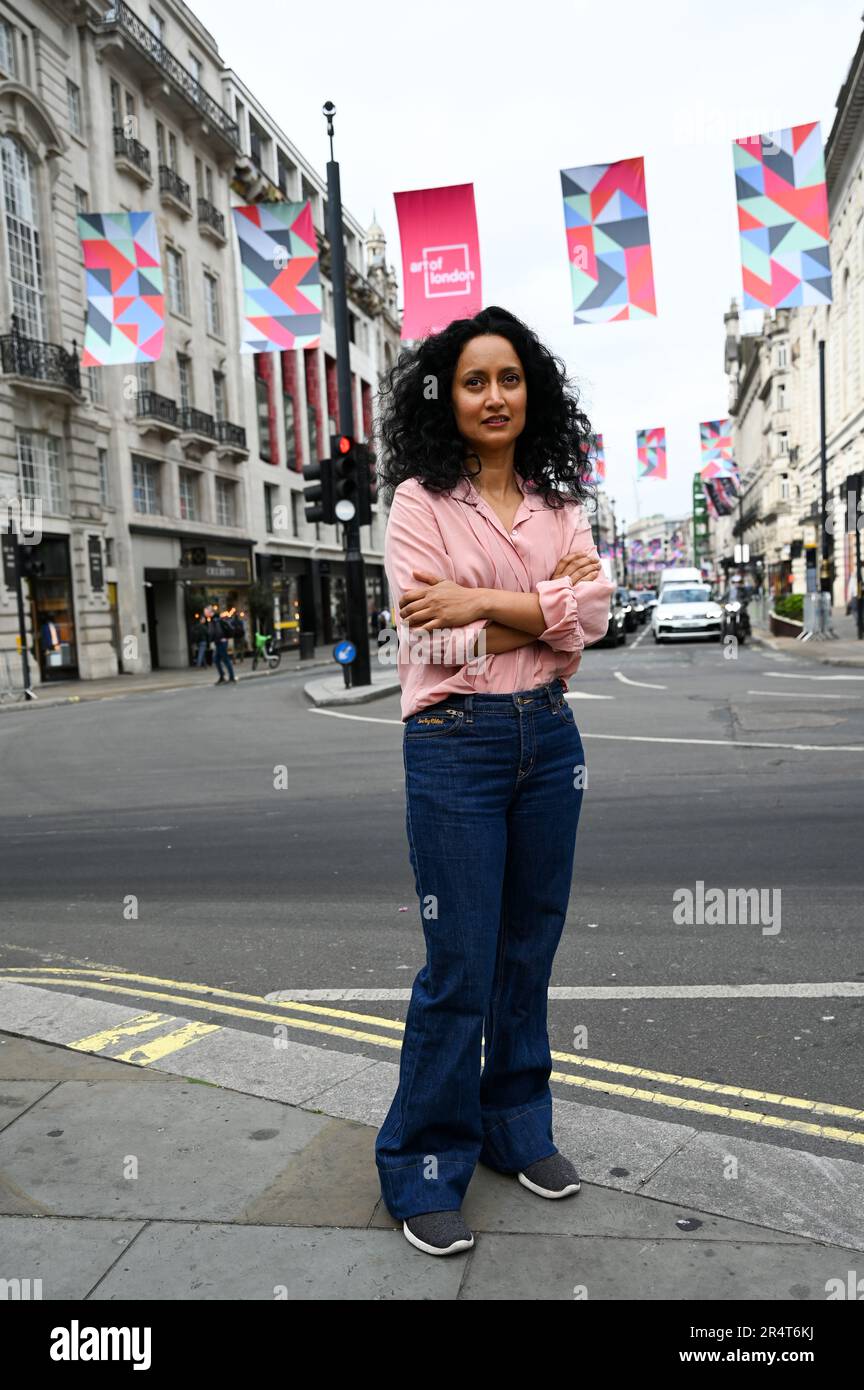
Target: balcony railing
x,y
227,433
197,422
121,17
152,406
127,148
211,217
171,183
30,357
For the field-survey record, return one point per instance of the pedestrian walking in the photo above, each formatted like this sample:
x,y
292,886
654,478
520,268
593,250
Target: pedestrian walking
x,y
487,542
218,632
199,639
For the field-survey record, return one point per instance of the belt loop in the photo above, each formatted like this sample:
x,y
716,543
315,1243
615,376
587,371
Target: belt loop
x,y
469,709
549,693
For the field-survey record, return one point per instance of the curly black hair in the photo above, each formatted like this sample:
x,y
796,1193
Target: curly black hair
x,y
420,438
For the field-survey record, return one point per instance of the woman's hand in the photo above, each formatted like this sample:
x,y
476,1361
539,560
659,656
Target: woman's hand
x,y
439,603
579,565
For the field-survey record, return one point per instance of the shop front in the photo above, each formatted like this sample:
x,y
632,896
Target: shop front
x,y
52,613
218,574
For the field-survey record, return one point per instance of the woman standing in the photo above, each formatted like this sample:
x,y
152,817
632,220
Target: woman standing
x,y
499,587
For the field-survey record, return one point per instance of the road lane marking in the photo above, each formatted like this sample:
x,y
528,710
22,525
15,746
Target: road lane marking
x,y
146,1022
842,989
647,738
799,695
151,1050
792,676
619,676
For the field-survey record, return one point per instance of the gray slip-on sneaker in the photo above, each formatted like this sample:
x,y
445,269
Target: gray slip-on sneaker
x,y
554,1176
438,1232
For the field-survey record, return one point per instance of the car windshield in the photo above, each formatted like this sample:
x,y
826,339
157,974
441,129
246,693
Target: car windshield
x,y
684,595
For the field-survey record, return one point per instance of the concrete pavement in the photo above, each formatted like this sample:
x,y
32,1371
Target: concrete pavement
x,y
145,1156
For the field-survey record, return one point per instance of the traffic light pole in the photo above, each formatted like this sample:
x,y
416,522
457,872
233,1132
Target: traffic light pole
x,y
22,624
355,570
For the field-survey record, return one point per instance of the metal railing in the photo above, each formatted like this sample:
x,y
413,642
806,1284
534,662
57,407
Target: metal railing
x,y
227,433
211,216
30,357
155,407
127,148
171,182
197,422
120,16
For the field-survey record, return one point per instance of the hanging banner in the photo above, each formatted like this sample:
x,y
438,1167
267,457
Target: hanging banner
x,y
440,257
715,440
608,245
596,455
783,218
281,280
124,287
651,452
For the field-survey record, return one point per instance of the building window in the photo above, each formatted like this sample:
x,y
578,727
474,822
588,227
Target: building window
x,y
284,173
7,50
225,511
211,301
146,486
781,396
204,180
177,282
270,493
39,471
81,200
265,444
220,405
93,382
784,488
184,377
312,419
295,513
195,67
104,483
782,354
144,375
783,443
73,95
290,433
156,25
188,495
22,238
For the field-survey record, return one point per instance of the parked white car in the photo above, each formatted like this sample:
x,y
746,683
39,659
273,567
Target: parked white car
x,y
686,610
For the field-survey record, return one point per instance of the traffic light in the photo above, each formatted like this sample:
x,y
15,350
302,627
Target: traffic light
x,y
30,565
355,480
318,497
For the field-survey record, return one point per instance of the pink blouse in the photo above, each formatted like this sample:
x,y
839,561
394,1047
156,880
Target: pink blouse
x,y
459,537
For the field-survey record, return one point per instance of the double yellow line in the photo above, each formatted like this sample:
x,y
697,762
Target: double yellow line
x,y
295,1014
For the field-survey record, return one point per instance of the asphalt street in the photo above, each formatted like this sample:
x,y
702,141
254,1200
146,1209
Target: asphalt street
x,y
151,834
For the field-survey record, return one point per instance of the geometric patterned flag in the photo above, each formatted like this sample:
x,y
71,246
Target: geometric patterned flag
x,y
716,443
281,281
593,450
783,218
608,245
651,452
125,293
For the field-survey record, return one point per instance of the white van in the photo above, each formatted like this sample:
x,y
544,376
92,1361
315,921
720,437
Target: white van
x,y
680,574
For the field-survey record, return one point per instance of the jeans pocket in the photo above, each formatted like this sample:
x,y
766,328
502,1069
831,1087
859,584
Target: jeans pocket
x,y
434,723
564,712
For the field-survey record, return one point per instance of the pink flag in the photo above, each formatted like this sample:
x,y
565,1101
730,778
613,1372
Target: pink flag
x,y
440,257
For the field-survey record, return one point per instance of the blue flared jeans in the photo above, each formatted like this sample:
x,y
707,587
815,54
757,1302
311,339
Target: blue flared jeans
x,y
493,787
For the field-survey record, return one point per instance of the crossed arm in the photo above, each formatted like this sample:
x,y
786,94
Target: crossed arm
x,y
421,572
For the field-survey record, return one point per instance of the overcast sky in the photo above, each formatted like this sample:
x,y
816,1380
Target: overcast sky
x,y
505,95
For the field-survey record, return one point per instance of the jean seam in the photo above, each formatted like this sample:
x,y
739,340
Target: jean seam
x,y
499,1124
